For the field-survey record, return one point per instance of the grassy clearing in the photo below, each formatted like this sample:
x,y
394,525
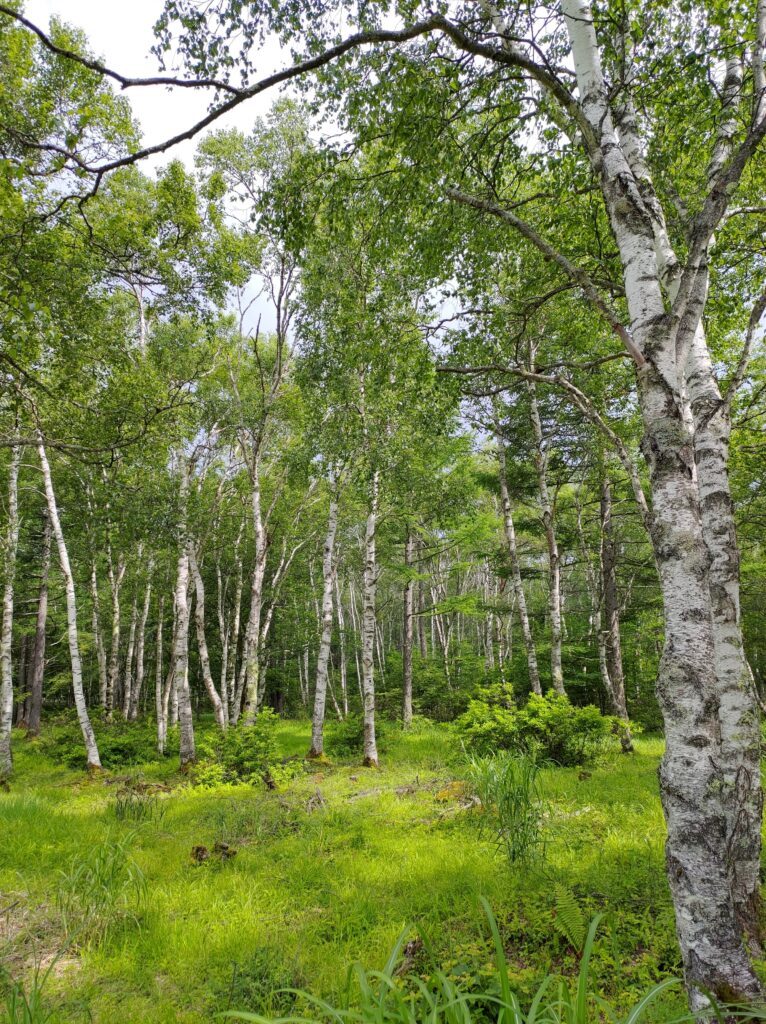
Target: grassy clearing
x,y
329,869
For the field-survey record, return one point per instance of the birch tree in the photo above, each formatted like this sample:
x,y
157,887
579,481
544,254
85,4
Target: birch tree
x,y
91,747
10,545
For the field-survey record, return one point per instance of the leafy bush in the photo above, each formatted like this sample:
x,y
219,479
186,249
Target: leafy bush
x,y
549,726
346,738
508,786
242,754
120,744
99,889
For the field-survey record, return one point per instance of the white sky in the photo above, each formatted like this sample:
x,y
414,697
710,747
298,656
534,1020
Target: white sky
x,y
121,35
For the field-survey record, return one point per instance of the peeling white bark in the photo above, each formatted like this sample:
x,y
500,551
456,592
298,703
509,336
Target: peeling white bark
x,y
693,786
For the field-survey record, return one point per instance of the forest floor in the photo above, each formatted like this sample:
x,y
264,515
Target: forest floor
x,y
329,868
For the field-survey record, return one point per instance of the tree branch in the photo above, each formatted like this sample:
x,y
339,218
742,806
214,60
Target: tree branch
x,y
576,273
125,81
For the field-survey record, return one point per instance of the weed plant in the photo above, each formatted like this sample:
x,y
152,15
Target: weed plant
x,y
508,786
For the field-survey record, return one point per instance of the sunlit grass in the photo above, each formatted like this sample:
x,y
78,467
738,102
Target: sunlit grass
x,y
312,890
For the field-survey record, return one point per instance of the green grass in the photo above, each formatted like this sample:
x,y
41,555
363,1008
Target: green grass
x,y
312,890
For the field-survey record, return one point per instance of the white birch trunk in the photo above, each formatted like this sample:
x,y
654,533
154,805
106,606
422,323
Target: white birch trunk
x,y
219,708
91,748
739,716
38,657
224,633
342,640
369,616
692,782
252,655
407,642
127,689
328,573
234,646
181,640
6,631
98,636
140,642
160,707
113,674
554,561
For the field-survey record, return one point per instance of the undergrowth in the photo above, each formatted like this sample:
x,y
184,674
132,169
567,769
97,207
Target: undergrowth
x,y
324,871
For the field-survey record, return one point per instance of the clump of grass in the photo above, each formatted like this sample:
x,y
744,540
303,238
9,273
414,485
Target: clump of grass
x,y
508,786
25,1004
100,888
138,806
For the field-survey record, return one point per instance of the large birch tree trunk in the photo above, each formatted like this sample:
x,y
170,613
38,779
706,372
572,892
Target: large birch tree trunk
x,y
91,748
323,658
518,585
38,657
740,757
695,797
6,630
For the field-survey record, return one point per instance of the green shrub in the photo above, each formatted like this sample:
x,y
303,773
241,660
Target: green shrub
x,y
242,754
549,726
507,784
120,744
346,738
